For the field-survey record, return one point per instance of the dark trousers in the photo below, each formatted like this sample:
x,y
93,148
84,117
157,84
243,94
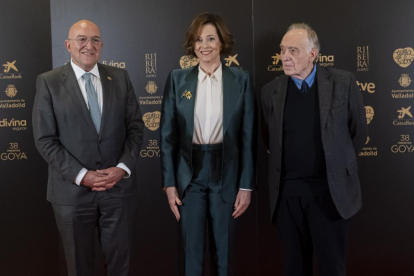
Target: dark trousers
x,y
113,218
311,224
203,201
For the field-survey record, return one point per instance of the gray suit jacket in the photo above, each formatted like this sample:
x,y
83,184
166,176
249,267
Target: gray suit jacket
x,y
66,137
343,129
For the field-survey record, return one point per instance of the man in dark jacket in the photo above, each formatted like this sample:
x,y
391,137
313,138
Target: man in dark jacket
x,y
314,126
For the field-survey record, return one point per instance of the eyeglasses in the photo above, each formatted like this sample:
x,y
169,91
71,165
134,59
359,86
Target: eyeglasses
x,y
82,41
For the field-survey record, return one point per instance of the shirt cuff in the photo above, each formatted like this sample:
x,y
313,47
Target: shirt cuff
x,y
80,176
125,168
241,189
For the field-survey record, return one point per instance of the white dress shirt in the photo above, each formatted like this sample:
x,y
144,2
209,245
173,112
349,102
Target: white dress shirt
x,y
208,109
96,81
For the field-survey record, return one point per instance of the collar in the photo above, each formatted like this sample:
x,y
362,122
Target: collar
x,y
79,71
218,74
309,79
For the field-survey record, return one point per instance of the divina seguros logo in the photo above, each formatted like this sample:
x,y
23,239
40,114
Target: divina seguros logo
x,y
14,124
326,61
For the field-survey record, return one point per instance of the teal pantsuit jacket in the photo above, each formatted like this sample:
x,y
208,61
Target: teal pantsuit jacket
x,y
177,127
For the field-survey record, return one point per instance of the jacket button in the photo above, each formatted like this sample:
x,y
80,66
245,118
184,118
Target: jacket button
x,y
278,170
189,163
98,163
277,189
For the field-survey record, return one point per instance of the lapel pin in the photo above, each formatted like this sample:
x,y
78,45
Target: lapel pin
x,y
187,94
109,78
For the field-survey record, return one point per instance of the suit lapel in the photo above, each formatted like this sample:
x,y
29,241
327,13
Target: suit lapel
x,y
278,102
325,86
71,85
108,91
190,85
231,94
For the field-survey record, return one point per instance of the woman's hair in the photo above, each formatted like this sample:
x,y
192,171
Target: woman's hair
x,y
226,38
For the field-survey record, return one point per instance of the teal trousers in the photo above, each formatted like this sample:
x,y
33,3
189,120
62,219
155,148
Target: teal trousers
x,y
203,204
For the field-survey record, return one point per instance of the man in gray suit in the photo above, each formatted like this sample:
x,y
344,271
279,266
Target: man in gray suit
x,y
314,126
87,126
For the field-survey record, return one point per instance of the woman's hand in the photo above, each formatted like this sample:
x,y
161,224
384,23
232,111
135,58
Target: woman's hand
x,y
242,202
173,200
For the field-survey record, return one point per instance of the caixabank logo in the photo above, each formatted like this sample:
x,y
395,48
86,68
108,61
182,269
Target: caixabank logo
x,y
231,60
10,71
405,118
404,145
276,64
13,153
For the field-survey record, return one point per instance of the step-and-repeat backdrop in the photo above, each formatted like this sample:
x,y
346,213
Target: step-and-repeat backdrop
x,y
372,40
28,233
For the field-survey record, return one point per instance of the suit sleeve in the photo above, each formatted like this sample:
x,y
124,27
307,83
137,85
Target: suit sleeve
x,y
248,139
264,118
357,122
168,133
46,134
134,127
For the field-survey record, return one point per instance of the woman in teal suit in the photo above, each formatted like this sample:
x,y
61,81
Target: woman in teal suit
x,y
207,144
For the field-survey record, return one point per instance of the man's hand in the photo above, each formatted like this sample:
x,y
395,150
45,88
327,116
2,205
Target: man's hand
x,y
173,200
242,202
90,178
111,176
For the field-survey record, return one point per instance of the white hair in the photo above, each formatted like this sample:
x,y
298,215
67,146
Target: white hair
x,y
312,36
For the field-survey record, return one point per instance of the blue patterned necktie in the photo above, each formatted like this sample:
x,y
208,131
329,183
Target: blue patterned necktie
x,y
93,101
304,87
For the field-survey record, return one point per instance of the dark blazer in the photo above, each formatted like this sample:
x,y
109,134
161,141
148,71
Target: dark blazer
x,y
177,126
67,139
343,129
